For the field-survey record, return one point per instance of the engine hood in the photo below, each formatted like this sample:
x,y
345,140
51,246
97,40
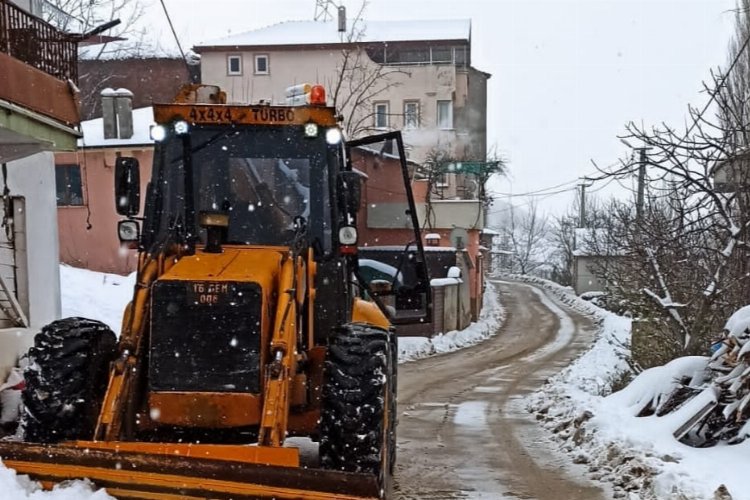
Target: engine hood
x,y
243,264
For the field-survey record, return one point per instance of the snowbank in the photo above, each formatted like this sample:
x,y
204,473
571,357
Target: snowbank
x,y
93,295
490,320
15,487
638,455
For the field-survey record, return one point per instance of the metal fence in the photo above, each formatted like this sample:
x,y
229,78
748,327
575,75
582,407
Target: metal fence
x,y
37,43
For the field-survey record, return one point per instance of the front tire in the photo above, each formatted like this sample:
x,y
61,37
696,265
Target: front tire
x,y
357,405
66,380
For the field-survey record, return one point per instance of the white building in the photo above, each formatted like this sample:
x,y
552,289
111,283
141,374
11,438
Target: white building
x,y
38,115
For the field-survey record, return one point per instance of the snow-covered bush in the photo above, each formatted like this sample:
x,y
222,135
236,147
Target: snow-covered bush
x,y
707,399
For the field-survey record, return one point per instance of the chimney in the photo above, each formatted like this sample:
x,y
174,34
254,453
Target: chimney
x,y
342,19
117,113
124,109
109,116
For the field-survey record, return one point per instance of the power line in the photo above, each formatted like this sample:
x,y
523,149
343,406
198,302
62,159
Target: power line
x,y
512,206
535,192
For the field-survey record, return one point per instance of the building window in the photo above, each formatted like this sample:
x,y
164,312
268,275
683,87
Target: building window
x,y
442,54
381,115
441,180
445,114
69,185
234,65
411,114
261,64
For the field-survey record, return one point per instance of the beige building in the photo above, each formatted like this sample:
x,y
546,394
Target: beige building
x,y
410,75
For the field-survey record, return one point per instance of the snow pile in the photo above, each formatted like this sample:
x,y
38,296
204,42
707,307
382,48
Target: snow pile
x,y
639,455
15,487
490,320
10,396
94,295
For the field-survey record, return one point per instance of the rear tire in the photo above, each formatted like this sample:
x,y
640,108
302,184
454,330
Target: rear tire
x,y
66,380
357,404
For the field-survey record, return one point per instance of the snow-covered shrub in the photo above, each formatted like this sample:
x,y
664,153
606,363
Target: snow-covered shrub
x,y
708,399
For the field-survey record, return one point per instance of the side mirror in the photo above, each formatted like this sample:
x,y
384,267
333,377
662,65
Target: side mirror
x,y
350,191
127,186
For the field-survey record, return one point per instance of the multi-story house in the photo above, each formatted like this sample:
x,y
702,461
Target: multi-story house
x,y
415,76
425,84
38,115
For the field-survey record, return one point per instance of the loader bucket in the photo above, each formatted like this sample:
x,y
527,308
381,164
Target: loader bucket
x,y
127,474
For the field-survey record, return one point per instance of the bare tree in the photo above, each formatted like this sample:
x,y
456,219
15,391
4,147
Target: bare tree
x,y
563,242
439,162
494,164
82,16
684,262
359,81
432,171
527,235
125,40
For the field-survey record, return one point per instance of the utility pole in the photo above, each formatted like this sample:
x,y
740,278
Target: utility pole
x,y
641,183
642,162
640,194
582,210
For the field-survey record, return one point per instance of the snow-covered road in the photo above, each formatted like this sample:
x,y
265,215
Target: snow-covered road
x,y
463,428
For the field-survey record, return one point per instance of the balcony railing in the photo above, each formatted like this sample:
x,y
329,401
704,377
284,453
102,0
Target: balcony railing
x,y
37,43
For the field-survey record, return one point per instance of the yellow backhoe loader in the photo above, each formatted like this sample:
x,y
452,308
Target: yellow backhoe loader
x,y
250,322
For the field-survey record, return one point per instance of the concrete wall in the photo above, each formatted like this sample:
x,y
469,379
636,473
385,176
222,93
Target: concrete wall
x,y
33,178
88,233
466,214
584,278
450,305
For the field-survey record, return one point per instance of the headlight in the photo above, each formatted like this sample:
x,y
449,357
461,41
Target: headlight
x,y
333,136
158,133
348,235
311,130
181,127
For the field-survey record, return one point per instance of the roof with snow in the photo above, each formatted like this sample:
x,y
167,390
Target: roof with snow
x,y
93,131
326,33
125,49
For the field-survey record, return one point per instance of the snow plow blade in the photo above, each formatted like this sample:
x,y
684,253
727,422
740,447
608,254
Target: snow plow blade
x,y
169,477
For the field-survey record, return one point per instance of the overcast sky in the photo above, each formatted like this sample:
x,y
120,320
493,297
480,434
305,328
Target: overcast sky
x,y
567,75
